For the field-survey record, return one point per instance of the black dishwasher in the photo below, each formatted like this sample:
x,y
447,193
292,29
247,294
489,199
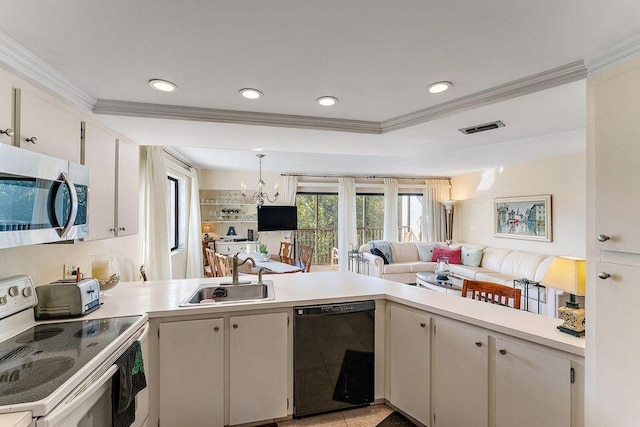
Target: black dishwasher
x,y
333,357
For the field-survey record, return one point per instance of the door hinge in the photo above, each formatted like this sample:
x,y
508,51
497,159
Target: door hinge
x,y
158,333
287,403
434,328
82,125
287,320
572,376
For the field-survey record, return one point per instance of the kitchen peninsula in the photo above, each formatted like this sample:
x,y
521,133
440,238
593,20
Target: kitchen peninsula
x,y
432,351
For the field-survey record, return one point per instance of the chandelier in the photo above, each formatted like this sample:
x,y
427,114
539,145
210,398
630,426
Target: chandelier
x,y
259,196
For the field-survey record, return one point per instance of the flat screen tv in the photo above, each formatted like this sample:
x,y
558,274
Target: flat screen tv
x,y
277,218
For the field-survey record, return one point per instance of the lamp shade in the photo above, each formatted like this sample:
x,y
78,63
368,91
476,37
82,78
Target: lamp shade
x,y
567,274
448,204
207,228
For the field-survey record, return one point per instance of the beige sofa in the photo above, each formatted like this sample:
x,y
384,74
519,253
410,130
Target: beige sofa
x,y
498,265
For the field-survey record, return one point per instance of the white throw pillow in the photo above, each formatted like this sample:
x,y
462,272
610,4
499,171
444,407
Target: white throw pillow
x,y
425,250
471,256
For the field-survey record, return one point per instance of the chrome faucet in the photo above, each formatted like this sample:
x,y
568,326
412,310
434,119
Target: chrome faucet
x,y
235,280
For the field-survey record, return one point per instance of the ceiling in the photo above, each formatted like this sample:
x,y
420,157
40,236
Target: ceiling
x,y
375,56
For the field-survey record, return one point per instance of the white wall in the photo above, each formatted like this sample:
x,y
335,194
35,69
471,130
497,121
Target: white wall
x,y
564,178
44,263
221,179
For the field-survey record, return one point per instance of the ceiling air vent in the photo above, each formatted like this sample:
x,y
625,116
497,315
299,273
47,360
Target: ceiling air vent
x,y
482,128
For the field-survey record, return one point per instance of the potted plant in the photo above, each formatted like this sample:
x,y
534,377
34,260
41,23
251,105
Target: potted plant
x,y
263,252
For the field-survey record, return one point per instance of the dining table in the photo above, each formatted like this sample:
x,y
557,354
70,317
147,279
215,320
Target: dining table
x,y
270,266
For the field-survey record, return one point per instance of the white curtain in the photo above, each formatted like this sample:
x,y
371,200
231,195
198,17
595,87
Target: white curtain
x,y
290,190
434,218
155,247
194,237
390,232
347,231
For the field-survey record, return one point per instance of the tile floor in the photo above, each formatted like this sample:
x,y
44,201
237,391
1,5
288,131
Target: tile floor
x,y
368,416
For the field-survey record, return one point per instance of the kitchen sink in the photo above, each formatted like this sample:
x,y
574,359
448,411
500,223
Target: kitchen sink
x,y
226,293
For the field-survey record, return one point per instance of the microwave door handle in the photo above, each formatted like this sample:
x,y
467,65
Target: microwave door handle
x,y
76,399
74,203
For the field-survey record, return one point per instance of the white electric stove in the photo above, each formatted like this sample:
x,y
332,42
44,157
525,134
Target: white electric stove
x,y
61,371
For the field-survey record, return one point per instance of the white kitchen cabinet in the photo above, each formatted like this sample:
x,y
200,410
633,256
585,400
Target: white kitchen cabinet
x,y
56,128
532,386
460,375
6,106
100,156
258,367
616,133
409,353
127,187
192,373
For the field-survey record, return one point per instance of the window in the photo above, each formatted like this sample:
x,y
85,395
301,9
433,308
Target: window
x,y
369,217
410,217
173,189
318,224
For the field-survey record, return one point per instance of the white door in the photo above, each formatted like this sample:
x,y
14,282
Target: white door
x,y
532,386
409,342
56,128
460,375
127,191
192,373
100,156
258,374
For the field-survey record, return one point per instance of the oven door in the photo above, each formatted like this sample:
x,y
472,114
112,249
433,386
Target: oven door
x,y
90,404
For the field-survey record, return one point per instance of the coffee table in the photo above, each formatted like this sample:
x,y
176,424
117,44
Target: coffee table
x,y
428,279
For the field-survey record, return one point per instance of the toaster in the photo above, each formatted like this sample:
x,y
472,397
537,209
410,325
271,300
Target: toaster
x,y
66,298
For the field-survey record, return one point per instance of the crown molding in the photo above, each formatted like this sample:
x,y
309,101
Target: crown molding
x,y
614,54
547,79
177,112
27,65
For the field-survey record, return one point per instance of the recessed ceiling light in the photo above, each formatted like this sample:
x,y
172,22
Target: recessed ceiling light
x,y
257,149
250,93
162,85
439,87
327,101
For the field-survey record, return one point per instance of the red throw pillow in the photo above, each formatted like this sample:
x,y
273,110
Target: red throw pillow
x,y
454,255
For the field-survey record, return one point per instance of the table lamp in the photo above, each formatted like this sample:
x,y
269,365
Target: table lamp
x,y
568,274
207,229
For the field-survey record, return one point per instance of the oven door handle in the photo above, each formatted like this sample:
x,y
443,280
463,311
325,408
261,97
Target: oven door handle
x,y
144,334
77,398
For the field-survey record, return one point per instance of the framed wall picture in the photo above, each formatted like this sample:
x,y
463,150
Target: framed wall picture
x,y
527,217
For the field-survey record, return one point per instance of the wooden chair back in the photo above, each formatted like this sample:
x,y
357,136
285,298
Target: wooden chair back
x,y
210,258
286,252
492,293
306,257
334,258
223,268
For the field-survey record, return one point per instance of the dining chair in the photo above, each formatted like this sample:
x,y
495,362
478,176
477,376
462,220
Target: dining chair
x,y
334,258
492,293
209,268
223,269
286,252
306,258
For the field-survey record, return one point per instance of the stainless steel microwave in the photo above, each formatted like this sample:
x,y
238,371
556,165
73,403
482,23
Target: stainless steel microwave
x,y
42,198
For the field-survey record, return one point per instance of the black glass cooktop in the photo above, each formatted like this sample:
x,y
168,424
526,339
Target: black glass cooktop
x,y
39,360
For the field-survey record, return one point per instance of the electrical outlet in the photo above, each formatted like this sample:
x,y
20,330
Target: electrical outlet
x,y
69,271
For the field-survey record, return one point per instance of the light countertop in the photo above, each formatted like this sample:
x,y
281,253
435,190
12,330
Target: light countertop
x,y
162,299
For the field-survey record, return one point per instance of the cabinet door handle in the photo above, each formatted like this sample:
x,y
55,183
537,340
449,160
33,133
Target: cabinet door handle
x,y
113,230
216,329
8,132
478,343
122,229
32,140
235,326
604,275
422,325
602,237
502,351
